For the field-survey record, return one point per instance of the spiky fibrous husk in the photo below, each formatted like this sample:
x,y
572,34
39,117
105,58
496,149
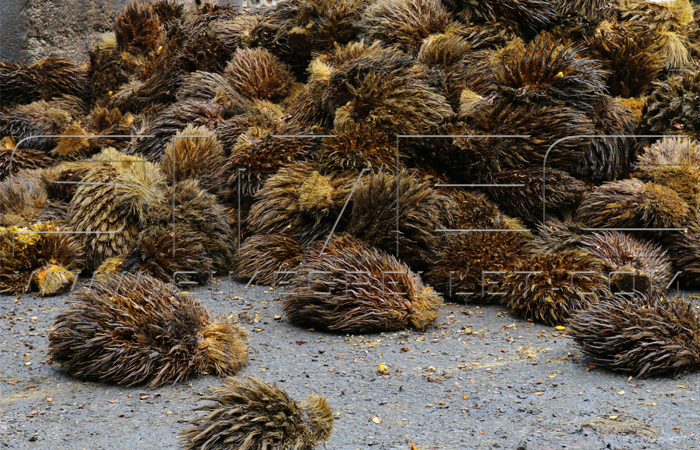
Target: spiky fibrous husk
x,y
110,69
149,97
639,265
258,74
630,54
208,86
356,148
531,15
138,29
669,15
42,80
419,208
585,12
262,153
168,12
62,179
162,252
562,283
247,413
609,158
22,199
633,203
300,201
194,210
256,122
549,72
476,158
555,236
268,258
392,297
469,262
129,329
18,84
639,336
189,156
12,161
53,279
562,192
172,120
684,252
404,23
25,253
109,203
35,119
672,104
469,209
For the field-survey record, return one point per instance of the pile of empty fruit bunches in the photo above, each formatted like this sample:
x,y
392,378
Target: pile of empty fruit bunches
x,y
376,158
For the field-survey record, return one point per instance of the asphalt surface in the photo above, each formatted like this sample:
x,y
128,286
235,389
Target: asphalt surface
x,y
478,379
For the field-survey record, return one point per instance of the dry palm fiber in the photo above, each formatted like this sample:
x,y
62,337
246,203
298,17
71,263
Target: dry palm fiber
x,y
563,193
562,283
639,336
555,236
668,15
376,204
356,148
404,23
683,249
138,28
530,15
129,330
258,74
364,291
195,153
22,199
187,208
74,143
638,265
12,161
672,104
25,253
42,80
268,259
633,204
300,201
470,261
247,413
207,87
35,119
109,203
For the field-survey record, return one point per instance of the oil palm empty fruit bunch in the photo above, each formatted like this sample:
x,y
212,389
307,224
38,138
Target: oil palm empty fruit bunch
x,y
195,153
268,259
299,201
74,143
109,203
631,264
392,297
633,204
43,256
247,413
258,74
418,208
683,249
671,105
148,97
546,71
639,336
209,86
171,121
138,29
530,15
559,285
22,199
128,329
609,158
555,236
630,55
43,80
61,180
471,210
177,255
584,13
12,161
19,84
35,119
669,15
404,23
260,153
674,163
111,68
469,262
187,208
356,148
562,195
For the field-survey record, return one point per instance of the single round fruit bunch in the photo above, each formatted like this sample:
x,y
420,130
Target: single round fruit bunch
x,y
249,414
129,329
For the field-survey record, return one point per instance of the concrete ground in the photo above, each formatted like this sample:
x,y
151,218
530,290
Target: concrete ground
x,y
478,379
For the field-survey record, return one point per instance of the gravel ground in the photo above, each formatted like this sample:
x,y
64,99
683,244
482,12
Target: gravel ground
x,y
478,379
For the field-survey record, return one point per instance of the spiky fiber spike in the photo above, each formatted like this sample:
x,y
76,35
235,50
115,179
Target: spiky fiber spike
x,y
128,329
138,28
268,258
247,413
258,74
392,297
639,336
672,104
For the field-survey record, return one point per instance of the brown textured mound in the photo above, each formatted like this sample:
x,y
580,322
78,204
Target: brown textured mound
x,y
250,414
130,329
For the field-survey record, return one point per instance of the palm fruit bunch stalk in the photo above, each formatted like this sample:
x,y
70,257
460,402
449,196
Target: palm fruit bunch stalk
x,y
248,413
640,336
350,286
130,330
